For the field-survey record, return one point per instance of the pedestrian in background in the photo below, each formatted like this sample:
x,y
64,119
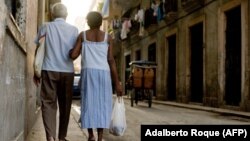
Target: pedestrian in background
x,y
57,72
98,71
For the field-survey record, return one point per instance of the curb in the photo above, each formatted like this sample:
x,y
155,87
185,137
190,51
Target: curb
x,y
203,108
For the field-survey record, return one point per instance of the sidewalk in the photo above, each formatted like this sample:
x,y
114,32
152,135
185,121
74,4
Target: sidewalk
x,y
205,108
200,107
74,132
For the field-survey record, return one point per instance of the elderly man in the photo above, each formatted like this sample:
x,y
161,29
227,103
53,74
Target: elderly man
x,y
57,72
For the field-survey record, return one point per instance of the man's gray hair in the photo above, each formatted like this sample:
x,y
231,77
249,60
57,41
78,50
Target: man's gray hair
x,y
59,10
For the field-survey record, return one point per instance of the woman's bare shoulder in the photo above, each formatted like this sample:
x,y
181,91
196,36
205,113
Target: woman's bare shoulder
x,y
95,35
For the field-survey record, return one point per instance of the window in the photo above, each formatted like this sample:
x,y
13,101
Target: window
x,y
17,9
12,6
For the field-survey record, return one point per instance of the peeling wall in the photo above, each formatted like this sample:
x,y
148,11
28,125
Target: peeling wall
x,y
17,91
13,89
21,14
32,93
2,27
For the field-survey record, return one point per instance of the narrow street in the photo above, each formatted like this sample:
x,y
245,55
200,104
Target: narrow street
x,y
162,115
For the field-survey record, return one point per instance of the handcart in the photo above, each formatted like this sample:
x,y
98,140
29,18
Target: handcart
x,y
142,77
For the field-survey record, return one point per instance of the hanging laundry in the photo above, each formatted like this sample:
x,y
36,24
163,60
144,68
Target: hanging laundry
x,y
141,30
162,9
116,23
160,13
154,7
126,25
149,18
141,15
141,21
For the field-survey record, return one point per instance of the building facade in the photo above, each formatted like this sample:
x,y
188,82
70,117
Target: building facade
x,y
19,102
201,48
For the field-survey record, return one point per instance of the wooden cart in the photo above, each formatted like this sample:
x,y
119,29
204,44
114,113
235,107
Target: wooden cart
x,y
142,78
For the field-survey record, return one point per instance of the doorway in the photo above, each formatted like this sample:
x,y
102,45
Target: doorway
x,y
196,70
127,71
171,78
152,52
233,57
152,57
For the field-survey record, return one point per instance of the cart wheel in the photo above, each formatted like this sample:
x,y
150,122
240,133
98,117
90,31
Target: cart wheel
x,y
150,96
132,96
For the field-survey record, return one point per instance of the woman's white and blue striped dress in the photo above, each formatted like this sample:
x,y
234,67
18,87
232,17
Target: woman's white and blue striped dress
x,y
96,87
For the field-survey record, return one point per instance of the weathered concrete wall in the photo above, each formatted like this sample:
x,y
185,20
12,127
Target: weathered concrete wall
x,y
211,55
18,93
13,90
2,27
32,93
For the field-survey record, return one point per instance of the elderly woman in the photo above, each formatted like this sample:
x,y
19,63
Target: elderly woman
x,y
98,69
57,72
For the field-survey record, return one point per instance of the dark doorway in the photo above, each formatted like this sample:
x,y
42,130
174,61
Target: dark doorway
x,y
127,71
152,57
233,57
171,78
127,59
196,42
152,52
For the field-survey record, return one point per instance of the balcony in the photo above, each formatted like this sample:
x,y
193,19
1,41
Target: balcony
x,y
189,5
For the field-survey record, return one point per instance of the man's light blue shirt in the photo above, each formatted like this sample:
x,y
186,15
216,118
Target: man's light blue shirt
x,y
60,38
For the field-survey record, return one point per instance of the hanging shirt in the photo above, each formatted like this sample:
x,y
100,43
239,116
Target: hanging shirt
x,y
125,28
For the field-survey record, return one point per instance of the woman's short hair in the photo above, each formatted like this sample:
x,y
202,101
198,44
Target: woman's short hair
x,y
59,10
94,19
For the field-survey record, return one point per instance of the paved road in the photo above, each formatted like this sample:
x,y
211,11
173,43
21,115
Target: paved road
x,y
163,115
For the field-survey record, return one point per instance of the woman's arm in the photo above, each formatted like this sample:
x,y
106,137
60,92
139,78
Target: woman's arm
x,y
75,52
113,68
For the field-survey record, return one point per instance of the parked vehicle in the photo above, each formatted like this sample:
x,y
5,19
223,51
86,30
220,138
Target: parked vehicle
x,y
76,86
